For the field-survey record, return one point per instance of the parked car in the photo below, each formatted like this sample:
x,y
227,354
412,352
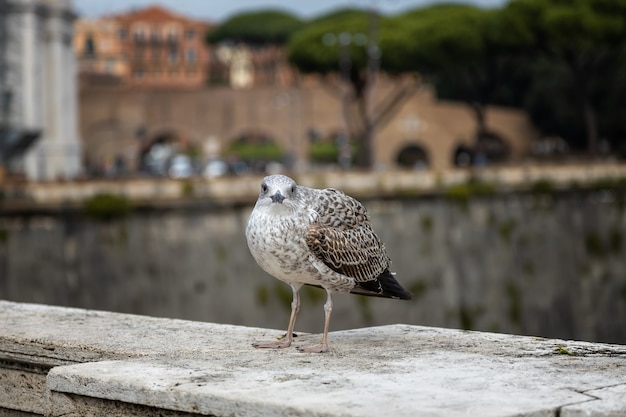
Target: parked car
x,y
180,167
215,168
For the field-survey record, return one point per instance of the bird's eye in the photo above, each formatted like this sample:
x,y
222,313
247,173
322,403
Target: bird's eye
x,y
293,189
263,188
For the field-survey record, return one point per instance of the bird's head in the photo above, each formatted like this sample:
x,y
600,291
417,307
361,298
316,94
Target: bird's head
x,y
278,191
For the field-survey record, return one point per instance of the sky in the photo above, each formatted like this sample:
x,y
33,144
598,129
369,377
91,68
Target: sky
x,y
219,10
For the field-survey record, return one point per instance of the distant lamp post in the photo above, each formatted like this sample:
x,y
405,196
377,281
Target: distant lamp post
x,y
345,40
6,100
371,44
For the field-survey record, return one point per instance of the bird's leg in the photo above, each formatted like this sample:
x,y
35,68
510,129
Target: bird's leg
x,y
288,338
323,345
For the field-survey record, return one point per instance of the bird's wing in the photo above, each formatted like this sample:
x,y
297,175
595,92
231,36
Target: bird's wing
x,y
343,239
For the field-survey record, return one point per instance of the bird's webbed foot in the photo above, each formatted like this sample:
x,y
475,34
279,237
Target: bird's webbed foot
x,y
319,348
276,344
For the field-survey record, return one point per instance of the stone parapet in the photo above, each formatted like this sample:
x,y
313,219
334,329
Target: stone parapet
x,y
71,362
239,189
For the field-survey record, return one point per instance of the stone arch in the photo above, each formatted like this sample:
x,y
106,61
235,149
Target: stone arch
x,y
413,155
493,147
254,150
488,148
160,146
330,146
462,155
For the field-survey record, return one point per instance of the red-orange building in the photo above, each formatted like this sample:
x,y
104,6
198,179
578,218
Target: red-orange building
x,y
155,46
164,48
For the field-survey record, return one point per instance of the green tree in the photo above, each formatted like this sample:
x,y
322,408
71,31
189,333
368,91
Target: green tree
x,y
466,51
344,47
581,39
258,27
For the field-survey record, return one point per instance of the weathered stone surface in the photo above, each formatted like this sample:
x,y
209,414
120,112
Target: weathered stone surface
x,y
35,338
14,413
609,401
52,336
68,405
391,370
127,365
21,390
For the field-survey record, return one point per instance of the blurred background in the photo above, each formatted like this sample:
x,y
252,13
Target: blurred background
x,y
486,138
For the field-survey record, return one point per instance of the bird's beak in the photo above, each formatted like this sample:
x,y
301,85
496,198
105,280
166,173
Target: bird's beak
x,y
277,197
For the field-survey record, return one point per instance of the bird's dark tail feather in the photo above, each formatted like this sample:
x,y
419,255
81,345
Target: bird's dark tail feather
x,y
383,286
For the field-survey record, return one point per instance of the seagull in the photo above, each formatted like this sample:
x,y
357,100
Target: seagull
x,y
307,236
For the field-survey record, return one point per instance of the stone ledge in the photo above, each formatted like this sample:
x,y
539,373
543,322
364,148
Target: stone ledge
x,y
162,192
116,364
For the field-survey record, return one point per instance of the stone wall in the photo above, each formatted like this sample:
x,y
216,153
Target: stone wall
x,y
214,117
538,263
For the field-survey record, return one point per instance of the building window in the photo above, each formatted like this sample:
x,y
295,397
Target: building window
x,y
140,32
90,46
122,34
190,34
190,55
171,32
155,35
173,54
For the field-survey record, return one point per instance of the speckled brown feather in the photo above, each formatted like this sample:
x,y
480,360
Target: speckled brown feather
x,y
343,239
